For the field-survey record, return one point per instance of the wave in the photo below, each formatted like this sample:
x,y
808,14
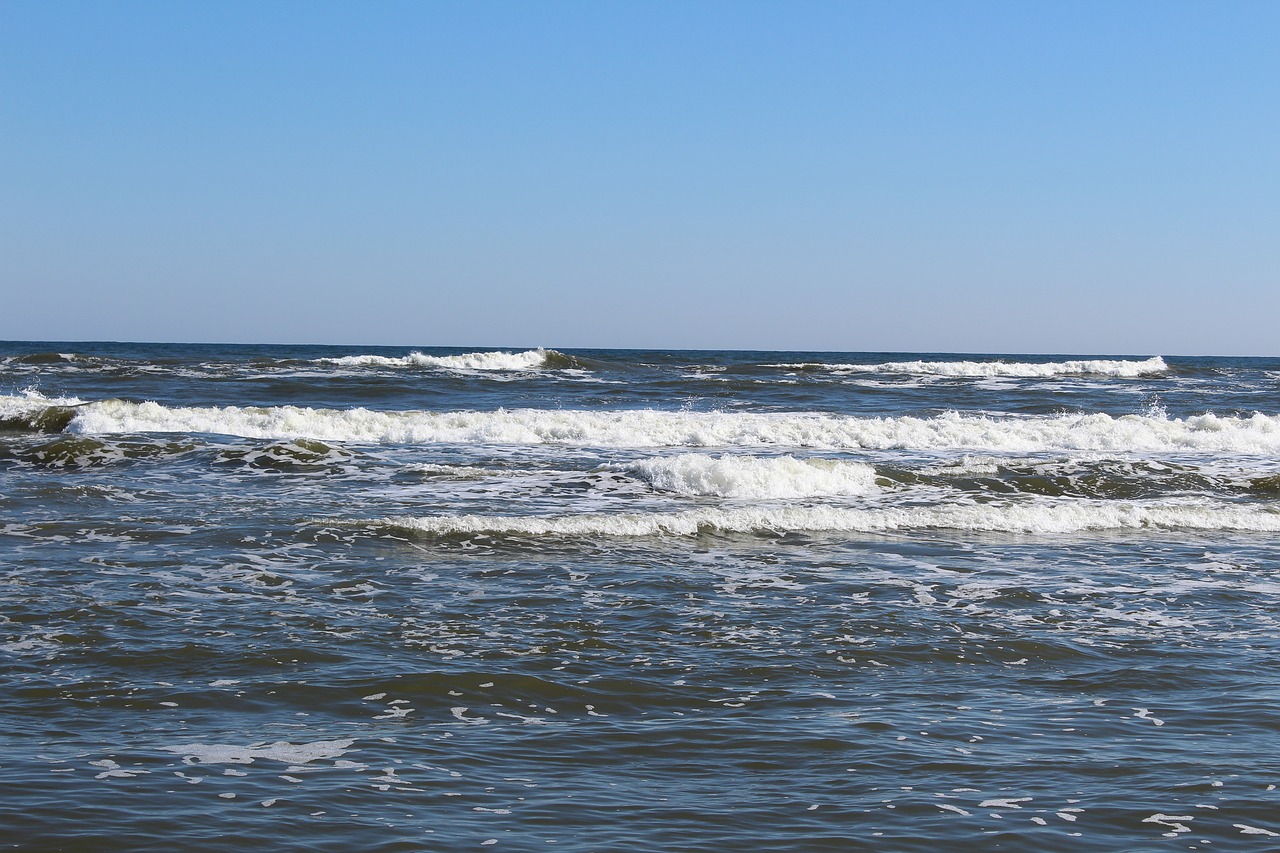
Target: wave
x,y
755,477
77,362
31,411
985,369
80,451
73,452
1257,433
534,359
40,358
1010,518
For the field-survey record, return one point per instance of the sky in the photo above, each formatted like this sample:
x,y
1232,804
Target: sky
x,y
907,175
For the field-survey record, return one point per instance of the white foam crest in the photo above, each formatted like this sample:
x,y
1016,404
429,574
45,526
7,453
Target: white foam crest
x,y
755,476
1016,518
30,400
533,359
1257,433
984,369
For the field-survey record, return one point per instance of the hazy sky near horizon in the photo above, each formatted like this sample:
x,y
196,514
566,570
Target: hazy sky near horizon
x,y
1068,177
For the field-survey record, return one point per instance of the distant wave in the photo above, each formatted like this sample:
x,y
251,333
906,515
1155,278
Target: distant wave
x,y
754,476
1017,518
37,361
42,358
1257,433
982,369
534,359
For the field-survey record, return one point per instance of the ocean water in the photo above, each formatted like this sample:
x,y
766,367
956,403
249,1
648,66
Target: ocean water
x,y
382,599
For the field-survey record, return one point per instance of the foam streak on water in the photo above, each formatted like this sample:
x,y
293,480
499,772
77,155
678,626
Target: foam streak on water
x,y
993,517
413,598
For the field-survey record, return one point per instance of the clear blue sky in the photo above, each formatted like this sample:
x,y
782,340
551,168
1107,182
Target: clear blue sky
x,y
931,176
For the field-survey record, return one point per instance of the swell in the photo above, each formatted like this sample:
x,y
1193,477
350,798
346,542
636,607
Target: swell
x,y
40,358
66,360
79,451
70,451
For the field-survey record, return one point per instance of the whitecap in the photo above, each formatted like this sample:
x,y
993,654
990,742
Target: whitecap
x,y
30,400
534,359
1207,433
755,477
1126,369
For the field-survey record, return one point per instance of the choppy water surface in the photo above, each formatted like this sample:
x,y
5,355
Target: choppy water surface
x,y
327,598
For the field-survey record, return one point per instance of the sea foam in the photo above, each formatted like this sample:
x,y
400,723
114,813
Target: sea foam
x,y
981,369
1008,518
1257,433
755,477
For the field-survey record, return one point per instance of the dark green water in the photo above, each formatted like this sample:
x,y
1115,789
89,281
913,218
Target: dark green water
x,y
332,599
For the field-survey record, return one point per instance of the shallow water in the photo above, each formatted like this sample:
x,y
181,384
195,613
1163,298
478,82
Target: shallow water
x,y
328,598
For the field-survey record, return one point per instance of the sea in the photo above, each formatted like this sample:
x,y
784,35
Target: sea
x,y
333,598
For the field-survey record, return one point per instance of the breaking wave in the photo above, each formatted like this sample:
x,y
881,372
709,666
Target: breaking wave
x,y
31,411
755,477
1257,433
982,369
1014,518
534,359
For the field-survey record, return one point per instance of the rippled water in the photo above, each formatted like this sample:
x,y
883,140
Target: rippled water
x,y
328,598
